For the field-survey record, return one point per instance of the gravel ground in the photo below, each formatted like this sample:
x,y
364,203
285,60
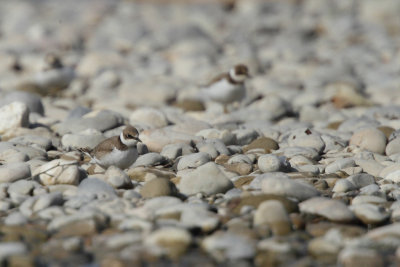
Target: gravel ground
x,y
303,171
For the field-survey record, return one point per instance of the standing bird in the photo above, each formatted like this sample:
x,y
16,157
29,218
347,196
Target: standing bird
x,y
227,87
120,151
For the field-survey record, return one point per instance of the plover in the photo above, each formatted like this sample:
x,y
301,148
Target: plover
x,y
120,151
227,87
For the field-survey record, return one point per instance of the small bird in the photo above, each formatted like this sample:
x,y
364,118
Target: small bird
x,y
227,87
120,151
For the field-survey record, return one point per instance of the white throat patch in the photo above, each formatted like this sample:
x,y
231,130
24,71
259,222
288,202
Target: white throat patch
x,y
129,143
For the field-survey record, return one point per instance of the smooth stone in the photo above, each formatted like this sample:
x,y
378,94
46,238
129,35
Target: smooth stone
x,y
15,218
269,163
339,164
136,224
12,172
256,182
360,257
80,223
370,139
172,151
333,210
225,136
389,169
33,140
152,205
117,178
32,101
156,139
193,160
88,140
307,152
245,136
158,187
393,147
58,171
199,218
370,189
370,166
51,213
207,179
369,213
228,246
361,179
240,168
147,115
283,186
96,187
265,143
38,203
273,214
368,199
393,176
78,112
387,231
172,241
306,138
8,249
99,120
213,147
13,156
12,116
150,159
240,159
343,186
5,205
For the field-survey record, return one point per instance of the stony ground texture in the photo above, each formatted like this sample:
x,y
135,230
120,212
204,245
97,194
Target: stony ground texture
x,y
304,172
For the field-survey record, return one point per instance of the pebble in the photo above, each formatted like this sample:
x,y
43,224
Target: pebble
x,y
117,178
158,187
8,249
338,165
283,186
369,213
13,115
193,160
151,116
34,141
12,172
207,179
306,138
360,257
333,210
32,101
150,159
269,163
370,139
173,242
227,246
58,171
273,214
199,218
87,139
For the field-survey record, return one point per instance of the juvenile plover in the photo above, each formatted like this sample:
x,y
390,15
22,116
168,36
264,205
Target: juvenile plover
x,y
227,87
120,151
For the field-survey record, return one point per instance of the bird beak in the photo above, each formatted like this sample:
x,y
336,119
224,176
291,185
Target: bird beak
x,y
137,139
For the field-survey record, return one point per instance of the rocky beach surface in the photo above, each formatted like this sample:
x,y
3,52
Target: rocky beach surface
x,y
305,171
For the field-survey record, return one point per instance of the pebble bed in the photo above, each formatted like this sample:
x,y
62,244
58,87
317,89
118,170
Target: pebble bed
x,y
305,171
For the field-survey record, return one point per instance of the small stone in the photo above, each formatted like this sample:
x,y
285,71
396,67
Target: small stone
x,y
343,186
207,179
15,218
97,187
151,116
200,218
369,213
287,187
8,249
333,210
33,140
193,160
360,257
172,241
58,171
273,214
32,101
306,138
150,159
12,172
227,246
12,116
393,147
269,163
338,165
117,178
369,139
265,143
88,139
158,187
361,179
